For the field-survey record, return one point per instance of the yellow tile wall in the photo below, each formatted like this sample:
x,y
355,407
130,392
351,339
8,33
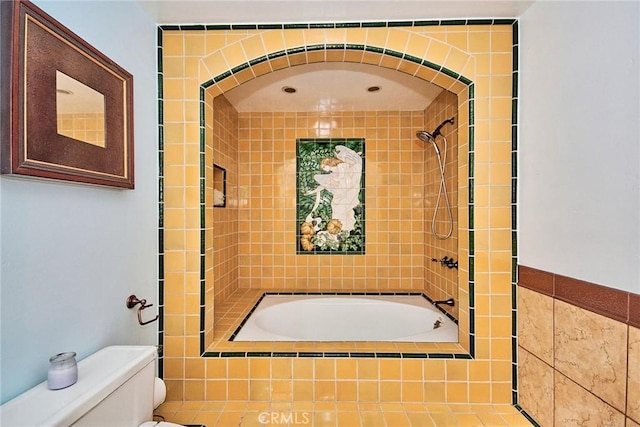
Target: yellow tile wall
x,y
394,179
221,223
441,282
480,53
225,219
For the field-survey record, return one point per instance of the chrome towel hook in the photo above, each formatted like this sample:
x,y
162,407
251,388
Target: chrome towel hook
x,y
133,300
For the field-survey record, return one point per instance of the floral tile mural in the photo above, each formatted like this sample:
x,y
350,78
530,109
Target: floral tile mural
x,y
330,196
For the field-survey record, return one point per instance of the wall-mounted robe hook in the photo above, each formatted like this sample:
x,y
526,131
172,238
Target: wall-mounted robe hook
x,y
133,300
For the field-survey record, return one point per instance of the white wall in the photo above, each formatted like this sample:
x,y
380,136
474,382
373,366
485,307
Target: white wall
x,y
579,141
72,254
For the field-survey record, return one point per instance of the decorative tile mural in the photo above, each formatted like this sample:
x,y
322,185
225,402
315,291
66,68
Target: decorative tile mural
x,y
330,196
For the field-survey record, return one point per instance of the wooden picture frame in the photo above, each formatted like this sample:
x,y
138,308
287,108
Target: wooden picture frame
x,y
39,56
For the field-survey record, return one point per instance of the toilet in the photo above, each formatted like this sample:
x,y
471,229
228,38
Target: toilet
x,y
115,387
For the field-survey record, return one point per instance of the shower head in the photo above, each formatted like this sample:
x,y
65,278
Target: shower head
x,y
425,136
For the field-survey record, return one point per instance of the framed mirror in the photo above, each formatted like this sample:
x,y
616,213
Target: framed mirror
x,y
67,108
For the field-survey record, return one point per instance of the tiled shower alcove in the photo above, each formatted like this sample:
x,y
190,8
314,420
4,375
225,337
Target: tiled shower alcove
x,y
212,257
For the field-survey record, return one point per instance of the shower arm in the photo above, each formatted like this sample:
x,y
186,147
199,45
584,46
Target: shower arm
x,y
436,132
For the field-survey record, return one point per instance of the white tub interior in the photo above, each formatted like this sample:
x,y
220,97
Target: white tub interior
x,y
394,318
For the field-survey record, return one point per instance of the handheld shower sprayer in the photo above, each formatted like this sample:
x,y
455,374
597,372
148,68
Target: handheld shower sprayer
x,y
427,137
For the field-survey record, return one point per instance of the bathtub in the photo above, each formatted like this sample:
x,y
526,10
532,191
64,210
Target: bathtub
x,y
397,318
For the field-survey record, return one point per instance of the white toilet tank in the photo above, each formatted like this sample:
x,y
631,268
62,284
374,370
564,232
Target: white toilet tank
x,y
114,388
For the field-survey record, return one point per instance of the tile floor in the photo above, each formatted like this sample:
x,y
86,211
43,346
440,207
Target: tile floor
x,y
350,414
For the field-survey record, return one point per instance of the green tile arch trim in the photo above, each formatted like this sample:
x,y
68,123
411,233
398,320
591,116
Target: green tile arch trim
x,y
258,60
373,49
294,50
239,68
333,46
431,65
222,76
412,58
275,55
450,73
352,46
378,50
394,53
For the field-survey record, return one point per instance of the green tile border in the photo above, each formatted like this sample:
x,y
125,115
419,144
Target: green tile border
x,y
335,355
160,92
226,74
463,79
514,224
346,24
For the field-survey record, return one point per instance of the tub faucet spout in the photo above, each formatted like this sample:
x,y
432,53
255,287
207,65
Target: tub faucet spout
x,y
449,302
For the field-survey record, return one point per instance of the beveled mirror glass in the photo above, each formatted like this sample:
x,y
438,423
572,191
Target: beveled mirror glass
x,y
79,110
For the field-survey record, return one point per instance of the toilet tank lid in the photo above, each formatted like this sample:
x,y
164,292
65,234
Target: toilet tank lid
x,y
98,376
